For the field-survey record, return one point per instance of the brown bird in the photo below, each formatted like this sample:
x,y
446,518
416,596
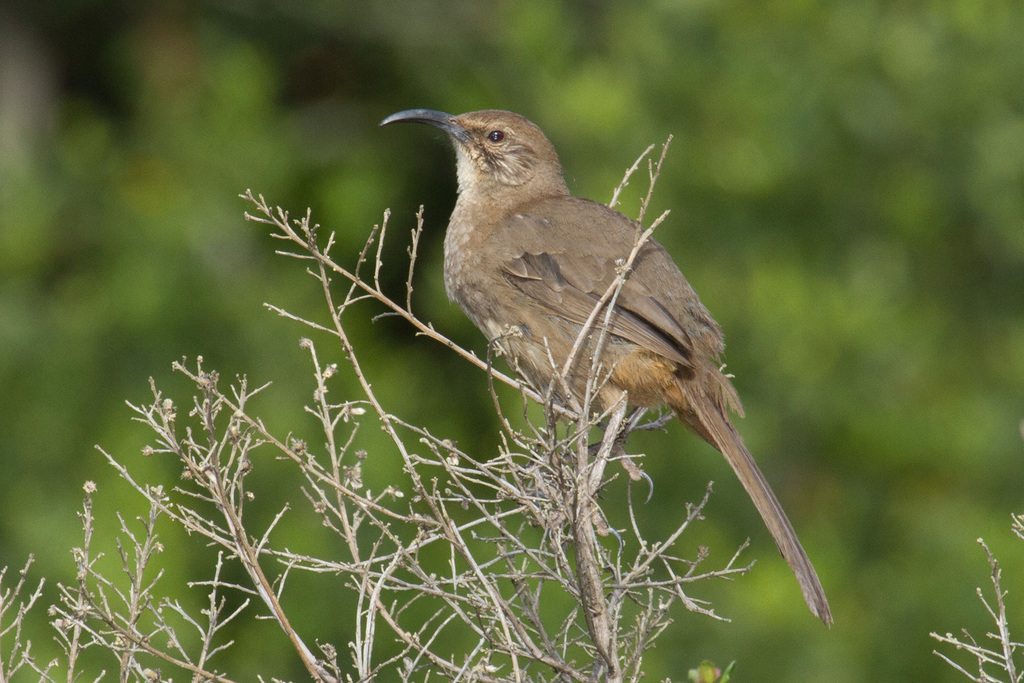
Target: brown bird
x,y
521,254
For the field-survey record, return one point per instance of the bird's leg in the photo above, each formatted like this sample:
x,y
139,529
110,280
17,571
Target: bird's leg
x,y
618,447
657,423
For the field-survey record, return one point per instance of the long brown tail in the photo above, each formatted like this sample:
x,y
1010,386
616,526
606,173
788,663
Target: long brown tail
x,y
711,423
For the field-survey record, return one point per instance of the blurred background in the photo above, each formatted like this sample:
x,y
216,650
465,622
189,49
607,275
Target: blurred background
x,y
846,184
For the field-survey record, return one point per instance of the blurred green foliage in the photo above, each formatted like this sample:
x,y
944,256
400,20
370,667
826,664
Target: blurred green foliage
x,y
847,192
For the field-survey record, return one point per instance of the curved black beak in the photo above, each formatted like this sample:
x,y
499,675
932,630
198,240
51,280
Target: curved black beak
x,y
439,119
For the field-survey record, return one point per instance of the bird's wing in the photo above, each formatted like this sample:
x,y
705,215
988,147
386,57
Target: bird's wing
x,y
570,282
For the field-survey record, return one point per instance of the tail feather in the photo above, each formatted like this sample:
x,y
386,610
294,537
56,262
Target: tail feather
x,y
713,425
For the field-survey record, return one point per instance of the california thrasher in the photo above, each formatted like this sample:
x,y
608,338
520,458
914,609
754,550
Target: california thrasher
x,y
521,254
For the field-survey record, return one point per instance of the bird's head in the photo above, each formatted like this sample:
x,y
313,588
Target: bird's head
x,y
499,154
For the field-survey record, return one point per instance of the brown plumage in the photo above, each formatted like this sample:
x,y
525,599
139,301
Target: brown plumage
x,y
522,254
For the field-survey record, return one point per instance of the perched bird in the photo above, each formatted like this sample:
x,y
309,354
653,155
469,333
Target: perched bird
x,y
522,254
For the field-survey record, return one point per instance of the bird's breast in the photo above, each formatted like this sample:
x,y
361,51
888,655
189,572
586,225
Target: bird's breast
x,y
462,260
474,278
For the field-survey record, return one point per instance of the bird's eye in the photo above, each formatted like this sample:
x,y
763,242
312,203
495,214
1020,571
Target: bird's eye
x,y
496,136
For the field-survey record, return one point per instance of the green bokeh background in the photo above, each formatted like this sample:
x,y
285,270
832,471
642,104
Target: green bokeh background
x,y
847,192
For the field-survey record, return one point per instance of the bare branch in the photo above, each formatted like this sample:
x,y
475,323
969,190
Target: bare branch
x,y
1001,657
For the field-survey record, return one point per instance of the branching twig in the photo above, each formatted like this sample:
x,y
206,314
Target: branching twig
x,y
1001,657
15,651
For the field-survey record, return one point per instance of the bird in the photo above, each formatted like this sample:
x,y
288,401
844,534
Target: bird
x,y
529,263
